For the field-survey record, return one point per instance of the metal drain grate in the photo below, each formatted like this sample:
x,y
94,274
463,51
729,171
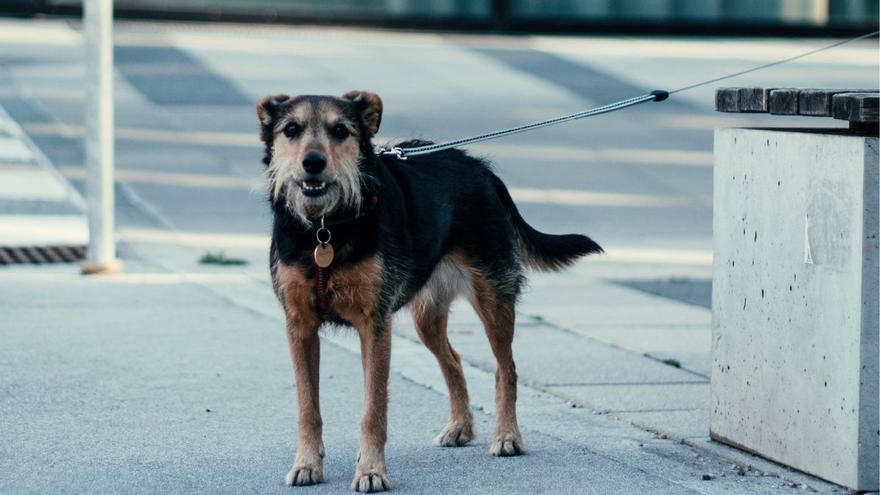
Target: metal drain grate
x,y
41,254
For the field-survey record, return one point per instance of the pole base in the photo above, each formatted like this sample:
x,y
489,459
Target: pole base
x,y
106,268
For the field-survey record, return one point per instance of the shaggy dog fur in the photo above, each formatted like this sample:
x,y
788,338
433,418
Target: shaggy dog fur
x,y
417,233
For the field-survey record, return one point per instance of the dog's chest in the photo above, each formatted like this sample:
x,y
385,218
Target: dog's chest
x,y
350,293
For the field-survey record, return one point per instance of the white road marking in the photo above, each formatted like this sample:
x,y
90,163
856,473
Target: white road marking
x,y
546,154
42,230
196,239
592,198
31,184
197,181
40,161
40,32
221,240
659,256
13,150
520,194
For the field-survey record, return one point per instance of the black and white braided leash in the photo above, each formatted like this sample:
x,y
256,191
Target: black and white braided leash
x,y
656,95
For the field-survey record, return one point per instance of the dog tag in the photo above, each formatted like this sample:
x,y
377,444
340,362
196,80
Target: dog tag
x,y
323,255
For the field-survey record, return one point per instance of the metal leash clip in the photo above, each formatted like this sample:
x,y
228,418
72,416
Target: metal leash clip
x,y
323,254
396,151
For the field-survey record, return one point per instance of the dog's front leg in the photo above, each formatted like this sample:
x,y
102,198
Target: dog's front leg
x,y
305,352
370,472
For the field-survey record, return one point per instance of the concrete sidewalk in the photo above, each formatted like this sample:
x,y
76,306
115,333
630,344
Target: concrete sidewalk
x,y
174,378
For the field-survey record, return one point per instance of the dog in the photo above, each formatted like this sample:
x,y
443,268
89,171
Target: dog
x,y
357,236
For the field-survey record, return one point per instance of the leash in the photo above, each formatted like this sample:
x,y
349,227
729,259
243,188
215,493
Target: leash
x,y
656,95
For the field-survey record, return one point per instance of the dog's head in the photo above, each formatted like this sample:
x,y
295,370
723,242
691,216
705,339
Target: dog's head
x,y
315,146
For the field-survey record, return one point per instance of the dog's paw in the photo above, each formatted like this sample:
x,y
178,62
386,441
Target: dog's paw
x,y
304,475
370,482
455,434
505,444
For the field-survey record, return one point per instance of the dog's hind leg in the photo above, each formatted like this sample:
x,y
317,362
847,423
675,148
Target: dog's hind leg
x,y
495,308
430,320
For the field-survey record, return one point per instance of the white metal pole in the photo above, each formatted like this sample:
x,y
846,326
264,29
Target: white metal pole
x,y
98,26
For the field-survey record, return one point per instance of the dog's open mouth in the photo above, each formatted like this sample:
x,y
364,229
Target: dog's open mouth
x,y
314,188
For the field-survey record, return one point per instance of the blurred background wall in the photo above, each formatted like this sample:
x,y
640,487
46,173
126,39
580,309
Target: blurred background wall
x,y
810,12
505,14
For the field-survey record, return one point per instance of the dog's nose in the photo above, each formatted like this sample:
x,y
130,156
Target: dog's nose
x,y
314,162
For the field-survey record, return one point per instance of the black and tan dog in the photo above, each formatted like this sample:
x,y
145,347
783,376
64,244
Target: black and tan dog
x,y
357,237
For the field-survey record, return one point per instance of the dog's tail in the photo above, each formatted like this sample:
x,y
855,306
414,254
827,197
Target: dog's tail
x,y
545,252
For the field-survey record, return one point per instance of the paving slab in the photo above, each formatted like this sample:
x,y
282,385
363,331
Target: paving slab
x,y
658,396
197,397
690,423
653,338
545,355
688,346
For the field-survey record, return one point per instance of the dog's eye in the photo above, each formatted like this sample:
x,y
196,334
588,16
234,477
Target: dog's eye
x,y
339,131
292,130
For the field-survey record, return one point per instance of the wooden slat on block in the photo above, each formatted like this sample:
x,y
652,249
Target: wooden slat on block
x,y
808,102
817,102
753,100
726,100
856,107
784,101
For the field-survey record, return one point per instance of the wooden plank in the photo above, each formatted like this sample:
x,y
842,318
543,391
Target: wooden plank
x,y
811,102
816,102
741,100
753,100
726,100
856,107
784,101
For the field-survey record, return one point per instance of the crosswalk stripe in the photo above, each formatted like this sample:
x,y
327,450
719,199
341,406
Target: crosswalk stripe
x,y
13,150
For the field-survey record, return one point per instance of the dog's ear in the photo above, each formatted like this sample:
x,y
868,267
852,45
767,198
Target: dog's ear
x,y
370,107
268,108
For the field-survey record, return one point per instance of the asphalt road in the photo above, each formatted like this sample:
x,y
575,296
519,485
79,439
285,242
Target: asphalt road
x,y
639,178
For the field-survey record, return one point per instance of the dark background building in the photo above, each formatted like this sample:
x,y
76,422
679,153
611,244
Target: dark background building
x,y
698,16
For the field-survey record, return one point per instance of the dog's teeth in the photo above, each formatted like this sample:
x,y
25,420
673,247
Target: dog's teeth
x,y
317,187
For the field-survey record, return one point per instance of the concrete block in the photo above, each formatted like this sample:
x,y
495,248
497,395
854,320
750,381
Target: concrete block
x,y
795,374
